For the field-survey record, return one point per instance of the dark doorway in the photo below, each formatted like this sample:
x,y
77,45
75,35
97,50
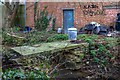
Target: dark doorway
x,y
117,26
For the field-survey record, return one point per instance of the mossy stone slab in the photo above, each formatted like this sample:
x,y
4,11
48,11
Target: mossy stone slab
x,y
45,47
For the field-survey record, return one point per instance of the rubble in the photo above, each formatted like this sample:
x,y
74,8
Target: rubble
x,y
95,28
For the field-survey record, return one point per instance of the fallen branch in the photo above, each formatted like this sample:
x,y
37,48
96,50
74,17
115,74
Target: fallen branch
x,y
15,36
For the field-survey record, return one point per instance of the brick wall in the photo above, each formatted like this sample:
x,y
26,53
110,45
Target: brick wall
x,y
30,14
83,12
110,17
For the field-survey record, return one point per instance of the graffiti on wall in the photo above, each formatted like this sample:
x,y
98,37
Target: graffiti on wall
x,y
92,10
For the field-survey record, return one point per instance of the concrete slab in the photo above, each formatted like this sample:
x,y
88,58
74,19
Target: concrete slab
x,y
43,47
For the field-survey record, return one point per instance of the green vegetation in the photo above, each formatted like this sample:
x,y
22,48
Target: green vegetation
x,y
57,37
99,47
14,74
43,36
97,38
37,37
32,38
41,18
11,40
100,53
87,37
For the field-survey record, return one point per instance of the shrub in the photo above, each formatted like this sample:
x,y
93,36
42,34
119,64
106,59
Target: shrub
x,y
41,18
57,37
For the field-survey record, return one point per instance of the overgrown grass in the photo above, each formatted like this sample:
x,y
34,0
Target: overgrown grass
x,y
86,36
34,37
43,37
92,38
57,37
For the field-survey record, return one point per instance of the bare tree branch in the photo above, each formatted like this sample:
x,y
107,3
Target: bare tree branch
x,y
10,12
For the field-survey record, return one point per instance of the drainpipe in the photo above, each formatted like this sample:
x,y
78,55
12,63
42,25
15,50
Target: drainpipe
x,y
25,12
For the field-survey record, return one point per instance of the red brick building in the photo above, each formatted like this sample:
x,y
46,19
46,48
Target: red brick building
x,y
82,12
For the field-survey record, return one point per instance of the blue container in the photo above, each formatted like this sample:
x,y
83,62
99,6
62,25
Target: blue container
x,y
72,34
27,29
